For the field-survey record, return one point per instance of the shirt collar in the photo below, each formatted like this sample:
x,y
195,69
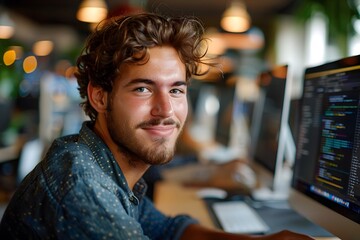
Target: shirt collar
x,y
107,162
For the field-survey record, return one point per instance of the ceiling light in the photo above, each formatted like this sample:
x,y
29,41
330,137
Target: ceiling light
x,y
6,26
236,17
92,11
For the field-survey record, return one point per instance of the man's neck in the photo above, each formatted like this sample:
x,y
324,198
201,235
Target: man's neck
x,y
133,170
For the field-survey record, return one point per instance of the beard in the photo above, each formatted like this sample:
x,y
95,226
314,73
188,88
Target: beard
x,y
133,148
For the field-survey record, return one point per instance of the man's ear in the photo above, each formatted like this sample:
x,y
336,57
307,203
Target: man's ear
x,y
98,98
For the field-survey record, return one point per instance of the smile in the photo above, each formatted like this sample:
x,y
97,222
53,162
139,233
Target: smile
x,y
160,130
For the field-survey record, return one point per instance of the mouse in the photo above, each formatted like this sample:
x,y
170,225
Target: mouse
x,y
211,192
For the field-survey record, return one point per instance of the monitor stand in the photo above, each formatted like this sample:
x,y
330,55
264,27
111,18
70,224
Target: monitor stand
x,y
279,191
267,194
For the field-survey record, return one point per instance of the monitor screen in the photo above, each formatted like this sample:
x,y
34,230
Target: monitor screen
x,y
225,94
212,107
270,124
326,181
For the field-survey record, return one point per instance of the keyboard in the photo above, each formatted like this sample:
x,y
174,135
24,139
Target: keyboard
x,y
238,217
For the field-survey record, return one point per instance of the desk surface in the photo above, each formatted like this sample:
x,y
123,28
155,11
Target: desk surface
x,y
172,198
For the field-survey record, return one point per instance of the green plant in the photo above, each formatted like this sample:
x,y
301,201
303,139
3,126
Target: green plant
x,y
340,15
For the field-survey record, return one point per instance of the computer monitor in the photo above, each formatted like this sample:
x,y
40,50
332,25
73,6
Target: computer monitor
x,y
271,138
226,94
326,179
204,105
212,104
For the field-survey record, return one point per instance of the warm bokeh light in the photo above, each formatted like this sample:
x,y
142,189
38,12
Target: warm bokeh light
x,y
7,28
9,57
217,45
236,18
30,64
43,48
246,41
235,24
6,32
69,73
92,11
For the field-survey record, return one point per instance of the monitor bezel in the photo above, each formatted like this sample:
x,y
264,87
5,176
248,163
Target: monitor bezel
x,y
316,212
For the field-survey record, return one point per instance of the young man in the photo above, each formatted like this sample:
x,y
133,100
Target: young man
x,y
133,76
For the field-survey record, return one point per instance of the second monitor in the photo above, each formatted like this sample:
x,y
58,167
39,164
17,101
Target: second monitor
x,y
271,138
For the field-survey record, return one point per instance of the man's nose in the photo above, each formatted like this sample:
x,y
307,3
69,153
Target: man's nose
x,y
162,106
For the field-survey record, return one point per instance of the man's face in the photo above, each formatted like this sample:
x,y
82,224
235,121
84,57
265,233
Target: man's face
x,y
148,107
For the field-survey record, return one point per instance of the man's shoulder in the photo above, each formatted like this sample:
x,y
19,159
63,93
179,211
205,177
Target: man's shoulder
x,y
66,141
70,145
68,156
68,152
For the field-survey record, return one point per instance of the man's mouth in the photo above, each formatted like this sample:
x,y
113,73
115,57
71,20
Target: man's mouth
x,y
160,128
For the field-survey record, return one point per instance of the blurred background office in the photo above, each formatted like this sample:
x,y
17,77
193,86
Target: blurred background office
x,y
40,40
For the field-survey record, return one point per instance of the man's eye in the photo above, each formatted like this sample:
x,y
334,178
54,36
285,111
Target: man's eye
x,y
177,91
141,89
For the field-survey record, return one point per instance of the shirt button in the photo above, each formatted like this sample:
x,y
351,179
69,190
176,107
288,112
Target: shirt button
x,y
134,200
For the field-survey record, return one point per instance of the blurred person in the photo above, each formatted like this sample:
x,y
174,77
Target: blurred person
x,y
133,75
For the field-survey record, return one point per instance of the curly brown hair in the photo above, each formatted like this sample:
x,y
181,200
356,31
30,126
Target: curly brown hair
x,y
127,40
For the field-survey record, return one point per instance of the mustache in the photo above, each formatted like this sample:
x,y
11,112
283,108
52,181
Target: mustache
x,y
157,121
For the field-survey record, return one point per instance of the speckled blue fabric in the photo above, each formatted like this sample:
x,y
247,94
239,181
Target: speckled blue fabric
x,y
79,192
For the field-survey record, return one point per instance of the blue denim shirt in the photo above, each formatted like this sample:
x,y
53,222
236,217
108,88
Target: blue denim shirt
x,y
79,192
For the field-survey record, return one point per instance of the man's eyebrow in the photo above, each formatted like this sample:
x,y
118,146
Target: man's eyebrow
x,y
140,80
151,82
180,83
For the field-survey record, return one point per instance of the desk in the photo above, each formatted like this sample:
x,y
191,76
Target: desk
x,y
172,198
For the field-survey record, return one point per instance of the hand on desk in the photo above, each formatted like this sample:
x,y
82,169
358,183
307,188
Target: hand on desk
x,y
233,175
